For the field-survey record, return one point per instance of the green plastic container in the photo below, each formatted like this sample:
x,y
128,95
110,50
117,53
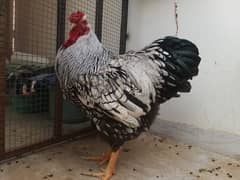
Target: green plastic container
x,y
31,104
72,114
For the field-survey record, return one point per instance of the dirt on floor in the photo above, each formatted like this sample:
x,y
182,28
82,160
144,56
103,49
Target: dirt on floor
x,y
146,158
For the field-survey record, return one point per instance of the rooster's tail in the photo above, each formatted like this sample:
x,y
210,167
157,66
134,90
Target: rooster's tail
x,y
181,59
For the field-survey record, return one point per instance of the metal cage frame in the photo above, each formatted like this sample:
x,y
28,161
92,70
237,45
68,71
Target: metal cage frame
x,y
58,136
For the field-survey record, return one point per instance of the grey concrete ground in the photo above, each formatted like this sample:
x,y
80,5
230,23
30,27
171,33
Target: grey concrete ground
x,y
147,158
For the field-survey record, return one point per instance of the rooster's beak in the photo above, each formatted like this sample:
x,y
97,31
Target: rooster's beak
x,y
84,17
72,25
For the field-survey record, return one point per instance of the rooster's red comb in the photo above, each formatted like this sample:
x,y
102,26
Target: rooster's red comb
x,y
76,17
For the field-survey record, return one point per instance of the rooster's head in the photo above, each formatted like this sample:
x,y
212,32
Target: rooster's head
x,y
80,27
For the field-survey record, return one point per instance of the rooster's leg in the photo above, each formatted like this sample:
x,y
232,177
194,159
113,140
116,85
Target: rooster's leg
x,y
110,170
101,159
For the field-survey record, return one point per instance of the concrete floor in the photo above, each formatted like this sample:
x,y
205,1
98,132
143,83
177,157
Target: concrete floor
x,y
147,158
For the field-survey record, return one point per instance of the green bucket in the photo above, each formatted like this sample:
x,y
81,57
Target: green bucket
x,y
71,114
31,104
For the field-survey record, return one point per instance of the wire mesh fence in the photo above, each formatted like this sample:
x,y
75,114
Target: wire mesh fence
x,y
31,112
111,24
27,118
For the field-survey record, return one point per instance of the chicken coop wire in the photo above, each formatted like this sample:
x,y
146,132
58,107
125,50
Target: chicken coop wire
x,y
33,25
111,24
30,100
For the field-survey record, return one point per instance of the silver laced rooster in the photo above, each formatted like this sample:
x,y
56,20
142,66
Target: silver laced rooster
x,y
118,92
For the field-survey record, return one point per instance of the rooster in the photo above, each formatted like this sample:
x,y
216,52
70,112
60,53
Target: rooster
x,y
118,92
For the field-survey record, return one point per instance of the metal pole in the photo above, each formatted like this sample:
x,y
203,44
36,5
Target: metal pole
x,y
123,36
98,19
3,52
61,13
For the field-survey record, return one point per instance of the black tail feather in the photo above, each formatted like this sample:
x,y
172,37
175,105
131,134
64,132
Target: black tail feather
x,y
181,58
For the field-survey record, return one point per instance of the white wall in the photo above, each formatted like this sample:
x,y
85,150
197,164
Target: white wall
x,y
214,26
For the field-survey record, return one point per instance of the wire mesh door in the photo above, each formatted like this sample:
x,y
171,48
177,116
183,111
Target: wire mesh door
x,y
111,24
32,112
28,119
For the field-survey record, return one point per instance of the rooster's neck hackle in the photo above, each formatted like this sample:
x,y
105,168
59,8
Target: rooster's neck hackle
x,y
87,54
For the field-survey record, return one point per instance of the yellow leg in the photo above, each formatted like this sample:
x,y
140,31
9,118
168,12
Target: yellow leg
x,y
101,159
110,170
